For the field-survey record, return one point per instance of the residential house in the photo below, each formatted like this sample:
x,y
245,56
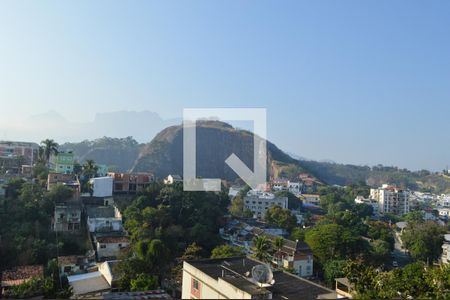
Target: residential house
x,y
310,199
19,275
109,246
67,217
102,170
93,285
68,180
444,212
294,255
130,183
259,202
104,219
70,265
279,184
231,278
28,151
62,162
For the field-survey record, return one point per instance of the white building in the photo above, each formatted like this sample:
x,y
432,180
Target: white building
x,y
102,186
109,247
445,258
371,202
294,187
444,200
311,199
104,219
259,202
391,199
231,278
444,212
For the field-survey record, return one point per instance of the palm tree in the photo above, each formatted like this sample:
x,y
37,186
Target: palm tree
x,y
48,147
278,243
90,168
261,246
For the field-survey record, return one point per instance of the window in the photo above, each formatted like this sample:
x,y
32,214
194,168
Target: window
x,y
67,269
195,284
120,245
102,246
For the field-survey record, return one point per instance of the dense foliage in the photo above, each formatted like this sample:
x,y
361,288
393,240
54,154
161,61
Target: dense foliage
x,y
164,222
414,281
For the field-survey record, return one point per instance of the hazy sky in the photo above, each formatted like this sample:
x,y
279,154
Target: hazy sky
x,y
362,82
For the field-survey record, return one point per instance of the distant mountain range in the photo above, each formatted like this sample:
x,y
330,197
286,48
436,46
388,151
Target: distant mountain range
x,y
143,126
217,140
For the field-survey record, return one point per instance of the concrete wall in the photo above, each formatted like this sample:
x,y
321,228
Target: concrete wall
x,y
102,186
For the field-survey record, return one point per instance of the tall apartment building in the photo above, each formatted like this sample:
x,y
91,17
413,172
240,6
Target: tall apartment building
x,y
259,202
391,199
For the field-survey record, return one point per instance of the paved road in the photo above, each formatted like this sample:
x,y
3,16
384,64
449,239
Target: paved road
x,y
400,254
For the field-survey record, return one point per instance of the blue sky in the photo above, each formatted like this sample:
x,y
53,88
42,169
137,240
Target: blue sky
x,y
361,82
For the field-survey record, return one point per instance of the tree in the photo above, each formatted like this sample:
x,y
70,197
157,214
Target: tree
x,y
59,193
261,246
237,208
380,252
49,147
294,202
281,217
225,251
334,269
193,251
90,169
144,282
332,241
297,234
423,240
279,243
414,217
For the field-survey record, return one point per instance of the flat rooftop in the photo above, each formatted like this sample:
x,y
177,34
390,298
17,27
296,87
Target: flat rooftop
x,y
235,270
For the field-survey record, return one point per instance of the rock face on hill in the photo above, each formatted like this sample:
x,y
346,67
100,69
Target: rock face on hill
x,y
216,141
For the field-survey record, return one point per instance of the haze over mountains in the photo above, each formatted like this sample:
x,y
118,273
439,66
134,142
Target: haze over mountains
x,y
143,126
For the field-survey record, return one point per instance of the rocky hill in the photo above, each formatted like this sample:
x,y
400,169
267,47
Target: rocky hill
x,y
216,141
117,153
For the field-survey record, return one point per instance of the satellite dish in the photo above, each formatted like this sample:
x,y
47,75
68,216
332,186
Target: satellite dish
x,y
262,274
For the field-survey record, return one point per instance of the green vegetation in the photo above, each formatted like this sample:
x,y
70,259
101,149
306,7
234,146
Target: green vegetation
x,y
414,281
423,240
119,153
25,223
261,247
340,174
164,223
294,202
332,241
224,251
281,217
